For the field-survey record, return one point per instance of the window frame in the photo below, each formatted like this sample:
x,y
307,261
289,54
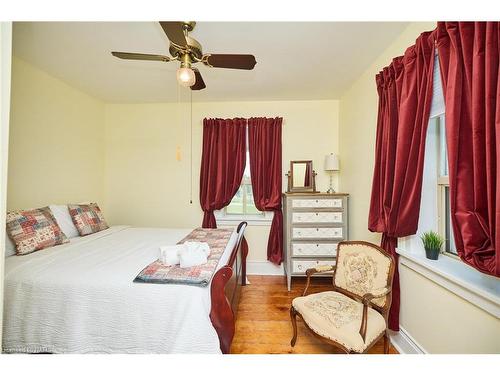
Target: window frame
x,y
443,182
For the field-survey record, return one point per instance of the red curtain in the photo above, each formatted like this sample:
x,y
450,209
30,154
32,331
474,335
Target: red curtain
x,y
469,62
222,164
405,95
264,141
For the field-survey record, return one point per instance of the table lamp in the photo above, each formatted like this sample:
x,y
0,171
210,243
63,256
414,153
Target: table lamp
x,y
332,164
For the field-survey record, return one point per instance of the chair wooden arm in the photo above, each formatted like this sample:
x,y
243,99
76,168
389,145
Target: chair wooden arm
x,y
367,301
312,271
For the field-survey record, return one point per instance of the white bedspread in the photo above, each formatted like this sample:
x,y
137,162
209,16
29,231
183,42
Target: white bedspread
x,y
80,298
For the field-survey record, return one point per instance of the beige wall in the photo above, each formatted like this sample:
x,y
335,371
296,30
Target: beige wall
x,y
56,141
144,183
358,123
437,319
5,81
441,321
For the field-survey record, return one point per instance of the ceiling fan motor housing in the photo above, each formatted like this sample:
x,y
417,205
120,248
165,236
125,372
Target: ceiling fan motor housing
x,y
193,48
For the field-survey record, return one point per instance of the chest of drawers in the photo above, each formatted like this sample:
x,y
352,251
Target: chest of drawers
x,y
313,226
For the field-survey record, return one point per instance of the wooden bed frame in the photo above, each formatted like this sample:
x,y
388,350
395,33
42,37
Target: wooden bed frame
x,y
226,289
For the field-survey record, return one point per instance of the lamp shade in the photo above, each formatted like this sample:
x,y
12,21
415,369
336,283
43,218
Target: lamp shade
x,y
332,162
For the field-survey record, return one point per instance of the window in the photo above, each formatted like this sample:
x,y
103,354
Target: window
x,y
242,206
243,203
443,191
437,119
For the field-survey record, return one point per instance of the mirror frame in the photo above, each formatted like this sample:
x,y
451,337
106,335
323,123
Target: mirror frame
x,y
302,189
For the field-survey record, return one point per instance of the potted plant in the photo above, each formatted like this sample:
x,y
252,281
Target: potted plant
x,y
432,244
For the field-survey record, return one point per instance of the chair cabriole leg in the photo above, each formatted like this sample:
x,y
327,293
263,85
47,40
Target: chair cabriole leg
x,y
293,317
387,342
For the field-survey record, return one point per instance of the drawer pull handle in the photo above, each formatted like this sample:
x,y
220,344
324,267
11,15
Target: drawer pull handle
x,y
317,245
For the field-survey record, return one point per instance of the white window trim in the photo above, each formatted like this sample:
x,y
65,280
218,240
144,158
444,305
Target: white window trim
x,y
454,275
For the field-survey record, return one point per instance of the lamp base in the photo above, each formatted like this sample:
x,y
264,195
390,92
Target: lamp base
x,y
330,189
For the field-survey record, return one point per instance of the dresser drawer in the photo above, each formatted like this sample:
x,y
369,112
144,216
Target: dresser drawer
x,y
300,266
310,249
317,203
317,217
317,232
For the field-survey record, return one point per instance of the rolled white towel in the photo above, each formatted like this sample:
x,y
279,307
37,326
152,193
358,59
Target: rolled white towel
x,y
191,257
198,245
169,255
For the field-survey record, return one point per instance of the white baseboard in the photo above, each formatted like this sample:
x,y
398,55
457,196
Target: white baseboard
x,y
405,344
263,267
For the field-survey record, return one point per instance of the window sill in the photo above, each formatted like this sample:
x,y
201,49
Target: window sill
x,y
479,289
251,220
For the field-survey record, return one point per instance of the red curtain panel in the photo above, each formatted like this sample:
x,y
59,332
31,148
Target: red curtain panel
x,y
264,141
222,164
405,96
469,62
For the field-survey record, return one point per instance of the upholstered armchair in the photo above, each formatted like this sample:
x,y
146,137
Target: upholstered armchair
x,y
353,316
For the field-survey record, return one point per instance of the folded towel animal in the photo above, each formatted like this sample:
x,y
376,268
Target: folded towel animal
x,y
188,254
198,245
169,255
192,256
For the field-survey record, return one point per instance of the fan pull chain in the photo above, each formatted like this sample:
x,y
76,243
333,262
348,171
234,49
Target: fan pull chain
x,y
191,157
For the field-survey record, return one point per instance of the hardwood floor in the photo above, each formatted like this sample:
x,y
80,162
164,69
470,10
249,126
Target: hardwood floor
x,y
263,321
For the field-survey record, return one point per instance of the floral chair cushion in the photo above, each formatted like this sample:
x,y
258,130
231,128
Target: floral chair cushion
x,y
338,318
87,218
362,269
33,230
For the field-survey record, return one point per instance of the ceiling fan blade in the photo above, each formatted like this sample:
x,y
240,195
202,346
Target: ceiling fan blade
x,y
140,56
246,62
199,83
175,32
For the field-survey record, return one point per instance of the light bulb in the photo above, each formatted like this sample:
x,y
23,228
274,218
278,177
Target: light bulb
x,y
186,77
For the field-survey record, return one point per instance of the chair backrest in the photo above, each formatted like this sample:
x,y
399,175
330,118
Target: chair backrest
x,y
363,268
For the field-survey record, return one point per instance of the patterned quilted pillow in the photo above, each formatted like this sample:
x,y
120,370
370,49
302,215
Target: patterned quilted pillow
x,y
87,218
33,230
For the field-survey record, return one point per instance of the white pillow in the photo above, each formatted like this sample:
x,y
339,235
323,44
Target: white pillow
x,y
63,218
10,248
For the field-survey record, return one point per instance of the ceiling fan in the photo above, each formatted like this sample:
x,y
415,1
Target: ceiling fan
x,y
188,51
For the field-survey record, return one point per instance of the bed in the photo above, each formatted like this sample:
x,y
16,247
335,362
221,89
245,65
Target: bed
x,y
80,298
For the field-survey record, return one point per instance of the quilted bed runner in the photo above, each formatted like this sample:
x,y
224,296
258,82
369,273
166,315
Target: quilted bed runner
x,y
201,275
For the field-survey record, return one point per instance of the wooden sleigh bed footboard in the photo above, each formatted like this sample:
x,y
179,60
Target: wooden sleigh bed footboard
x,y
226,289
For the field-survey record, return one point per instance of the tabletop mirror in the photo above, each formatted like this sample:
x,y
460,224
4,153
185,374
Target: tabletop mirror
x,y
301,177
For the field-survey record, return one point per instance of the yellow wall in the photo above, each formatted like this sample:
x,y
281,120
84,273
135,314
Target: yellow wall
x,y
442,322
56,143
358,123
145,184
437,319
5,82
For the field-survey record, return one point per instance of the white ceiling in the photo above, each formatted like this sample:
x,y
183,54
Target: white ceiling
x,y
295,60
